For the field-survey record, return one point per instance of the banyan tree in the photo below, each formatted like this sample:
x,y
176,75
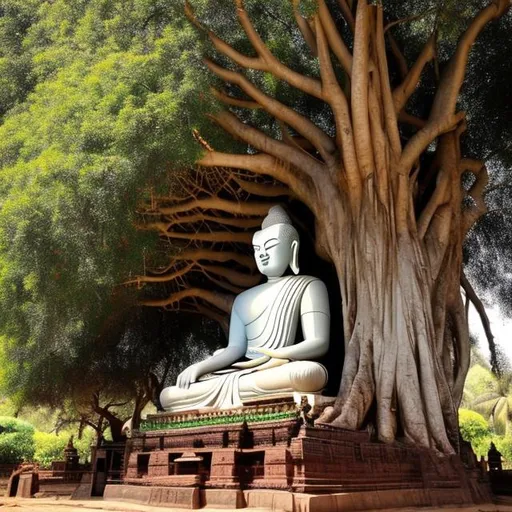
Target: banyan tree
x,y
391,194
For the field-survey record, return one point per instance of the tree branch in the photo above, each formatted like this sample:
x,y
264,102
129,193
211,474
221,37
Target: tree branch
x,y
305,29
235,277
222,301
404,91
411,120
347,13
280,150
201,217
480,308
224,285
222,46
338,102
408,19
421,140
161,278
265,164
265,61
390,112
439,197
446,97
273,65
359,96
471,214
214,236
234,102
212,255
333,36
260,189
259,208
322,142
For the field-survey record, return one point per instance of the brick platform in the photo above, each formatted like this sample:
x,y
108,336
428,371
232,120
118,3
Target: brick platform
x,y
275,446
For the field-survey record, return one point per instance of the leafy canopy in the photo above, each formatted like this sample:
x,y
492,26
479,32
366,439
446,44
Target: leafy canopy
x,y
98,113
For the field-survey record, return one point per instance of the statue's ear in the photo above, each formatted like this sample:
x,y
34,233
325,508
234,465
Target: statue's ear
x,y
294,261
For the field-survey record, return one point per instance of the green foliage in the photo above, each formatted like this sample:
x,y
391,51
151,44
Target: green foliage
x,y
16,441
16,79
475,429
44,419
49,447
479,381
84,443
7,408
147,425
504,446
492,397
490,402
114,98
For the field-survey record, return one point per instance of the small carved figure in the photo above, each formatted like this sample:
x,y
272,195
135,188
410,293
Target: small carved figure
x,y
262,358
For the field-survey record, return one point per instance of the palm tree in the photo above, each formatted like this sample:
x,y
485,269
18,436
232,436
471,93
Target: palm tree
x,y
491,397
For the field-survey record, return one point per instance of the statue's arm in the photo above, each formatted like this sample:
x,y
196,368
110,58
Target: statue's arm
x,y
237,346
315,321
236,349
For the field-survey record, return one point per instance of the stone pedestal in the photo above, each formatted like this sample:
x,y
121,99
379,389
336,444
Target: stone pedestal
x,y
275,446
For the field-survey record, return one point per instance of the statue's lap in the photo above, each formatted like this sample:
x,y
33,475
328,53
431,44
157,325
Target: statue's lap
x,y
296,376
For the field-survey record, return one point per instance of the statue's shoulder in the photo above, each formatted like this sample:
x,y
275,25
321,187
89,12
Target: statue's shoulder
x,y
308,280
315,296
306,277
308,286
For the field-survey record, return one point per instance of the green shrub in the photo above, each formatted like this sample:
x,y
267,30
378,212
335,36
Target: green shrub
x,y
16,441
504,446
84,445
475,429
49,447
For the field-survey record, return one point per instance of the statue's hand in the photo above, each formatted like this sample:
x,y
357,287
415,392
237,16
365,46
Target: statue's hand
x,y
188,376
253,363
274,354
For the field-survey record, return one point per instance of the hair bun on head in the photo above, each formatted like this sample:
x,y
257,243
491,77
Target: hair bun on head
x,y
276,215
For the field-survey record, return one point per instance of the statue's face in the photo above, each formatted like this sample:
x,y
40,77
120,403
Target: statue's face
x,y
271,251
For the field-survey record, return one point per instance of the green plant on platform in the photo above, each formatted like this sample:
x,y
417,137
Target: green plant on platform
x,y
149,425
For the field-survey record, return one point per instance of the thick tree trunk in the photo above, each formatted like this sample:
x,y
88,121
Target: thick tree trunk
x,y
392,359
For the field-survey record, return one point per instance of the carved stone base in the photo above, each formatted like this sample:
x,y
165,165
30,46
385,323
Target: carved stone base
x,y
274,446
179,497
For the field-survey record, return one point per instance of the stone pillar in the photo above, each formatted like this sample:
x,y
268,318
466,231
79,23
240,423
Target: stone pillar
x,y
131,466
158,464
278,468
223,469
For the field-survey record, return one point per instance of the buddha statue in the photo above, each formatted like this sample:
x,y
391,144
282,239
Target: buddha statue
x,y
262,357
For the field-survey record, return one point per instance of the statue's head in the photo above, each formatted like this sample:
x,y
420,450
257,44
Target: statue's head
x,y
276,246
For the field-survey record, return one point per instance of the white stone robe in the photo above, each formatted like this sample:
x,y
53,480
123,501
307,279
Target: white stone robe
x,y
273,328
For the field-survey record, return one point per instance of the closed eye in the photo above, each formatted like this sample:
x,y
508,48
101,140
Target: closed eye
x,y
269,244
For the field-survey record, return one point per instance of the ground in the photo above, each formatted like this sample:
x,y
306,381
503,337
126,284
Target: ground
x,y
66,505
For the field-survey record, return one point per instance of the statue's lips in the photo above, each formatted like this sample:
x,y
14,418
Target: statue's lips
x,y
264,261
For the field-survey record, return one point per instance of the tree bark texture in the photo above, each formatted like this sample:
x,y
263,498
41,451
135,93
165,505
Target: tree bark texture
x,y
392,224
